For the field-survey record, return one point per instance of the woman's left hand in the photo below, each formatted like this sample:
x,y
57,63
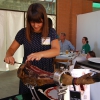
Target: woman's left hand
x,y
34,56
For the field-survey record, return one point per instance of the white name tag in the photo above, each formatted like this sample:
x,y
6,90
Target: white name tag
x,y
46,41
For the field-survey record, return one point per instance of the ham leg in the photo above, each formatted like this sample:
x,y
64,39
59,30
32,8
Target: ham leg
x,y
34,76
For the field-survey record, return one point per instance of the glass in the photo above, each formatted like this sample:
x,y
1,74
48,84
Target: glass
x,y
67,51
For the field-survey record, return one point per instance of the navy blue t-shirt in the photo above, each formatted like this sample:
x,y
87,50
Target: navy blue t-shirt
x,y
36,46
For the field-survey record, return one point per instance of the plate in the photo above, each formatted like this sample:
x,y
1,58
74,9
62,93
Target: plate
x,y
61,53
66,55
51,93
95,60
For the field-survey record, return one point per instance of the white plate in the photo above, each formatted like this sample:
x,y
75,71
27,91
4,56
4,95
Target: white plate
x,y
51,93
66,55
61,53
95,60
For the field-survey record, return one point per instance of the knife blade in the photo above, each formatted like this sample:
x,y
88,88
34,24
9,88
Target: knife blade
x,y
17,62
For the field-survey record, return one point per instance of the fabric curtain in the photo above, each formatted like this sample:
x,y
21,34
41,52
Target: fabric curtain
x,y
2,39
12,22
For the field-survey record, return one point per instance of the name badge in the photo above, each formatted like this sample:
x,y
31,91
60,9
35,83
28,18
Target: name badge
x,y
46,41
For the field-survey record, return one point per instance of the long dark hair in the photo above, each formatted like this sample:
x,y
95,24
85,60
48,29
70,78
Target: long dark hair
x,y
35,13
49,23
86,39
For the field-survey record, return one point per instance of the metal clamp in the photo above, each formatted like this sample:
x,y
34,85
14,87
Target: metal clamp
x,y
57,77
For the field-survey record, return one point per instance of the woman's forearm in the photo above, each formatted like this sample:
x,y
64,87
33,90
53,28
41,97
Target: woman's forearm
x,y
50,53
12,49
10,52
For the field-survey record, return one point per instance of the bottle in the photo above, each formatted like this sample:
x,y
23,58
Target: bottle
x,y
83,51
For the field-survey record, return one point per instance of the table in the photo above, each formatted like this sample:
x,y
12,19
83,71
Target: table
x,y
87,64
65,59
81,57
69,61
66,56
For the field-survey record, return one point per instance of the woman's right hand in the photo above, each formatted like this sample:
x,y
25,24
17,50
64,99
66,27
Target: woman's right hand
x,y
9,60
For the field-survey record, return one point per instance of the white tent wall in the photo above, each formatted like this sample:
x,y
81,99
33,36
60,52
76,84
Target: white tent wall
x,y
14,22
89,25
2,39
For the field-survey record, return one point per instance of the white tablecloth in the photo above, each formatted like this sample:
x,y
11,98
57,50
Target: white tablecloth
x,y
69,56
64,56
81,57
72,57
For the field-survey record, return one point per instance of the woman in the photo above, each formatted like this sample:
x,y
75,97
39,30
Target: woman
x,y
40,43
86,46
50,25
50,22
90,54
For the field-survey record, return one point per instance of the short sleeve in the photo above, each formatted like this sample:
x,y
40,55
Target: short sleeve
x,y
53,34
20,36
